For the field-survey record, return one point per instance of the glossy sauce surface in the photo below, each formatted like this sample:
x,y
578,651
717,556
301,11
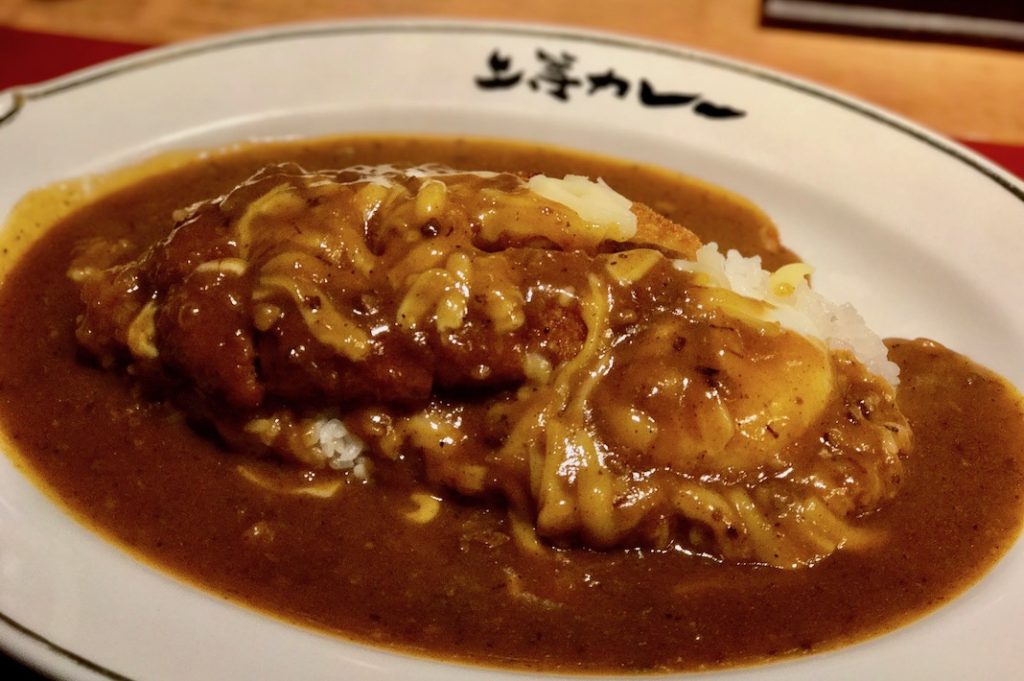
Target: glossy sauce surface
x,y
458,586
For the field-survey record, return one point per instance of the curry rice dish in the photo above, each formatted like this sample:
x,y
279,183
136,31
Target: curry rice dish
x,y
579,430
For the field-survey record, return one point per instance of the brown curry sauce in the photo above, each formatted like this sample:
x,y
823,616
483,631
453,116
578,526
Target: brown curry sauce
x,y
458,587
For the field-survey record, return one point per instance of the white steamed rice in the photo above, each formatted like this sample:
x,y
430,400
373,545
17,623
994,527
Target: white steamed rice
x,y
342,449
799,309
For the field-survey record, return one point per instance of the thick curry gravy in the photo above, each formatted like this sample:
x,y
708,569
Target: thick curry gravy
x,y
458,587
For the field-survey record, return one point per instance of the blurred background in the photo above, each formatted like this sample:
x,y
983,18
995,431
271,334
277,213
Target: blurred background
x,y
955,66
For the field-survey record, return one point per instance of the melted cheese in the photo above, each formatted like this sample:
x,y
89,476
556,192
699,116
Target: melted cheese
x,y
605,211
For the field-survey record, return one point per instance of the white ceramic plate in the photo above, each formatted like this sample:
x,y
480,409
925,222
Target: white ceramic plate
x,y
922,235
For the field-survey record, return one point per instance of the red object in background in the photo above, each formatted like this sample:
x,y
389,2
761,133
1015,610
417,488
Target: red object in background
x,y
29,57
1008,156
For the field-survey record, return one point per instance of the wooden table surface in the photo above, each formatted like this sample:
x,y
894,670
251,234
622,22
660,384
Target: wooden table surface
x,y
970,93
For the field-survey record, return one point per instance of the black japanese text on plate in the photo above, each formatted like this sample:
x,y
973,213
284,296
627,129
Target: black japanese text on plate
x,y
558,76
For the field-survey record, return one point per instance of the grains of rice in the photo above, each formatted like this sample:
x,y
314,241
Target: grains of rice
x,y
795,306
342,449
